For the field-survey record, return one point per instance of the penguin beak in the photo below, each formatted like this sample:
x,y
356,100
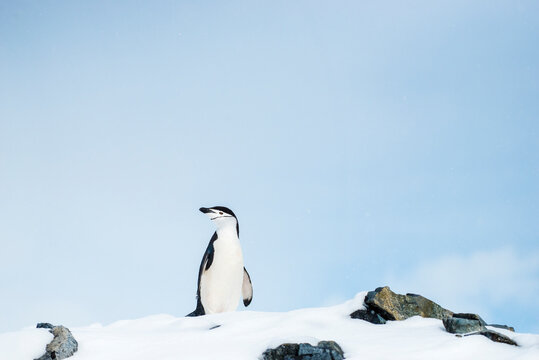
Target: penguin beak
x,y
205,210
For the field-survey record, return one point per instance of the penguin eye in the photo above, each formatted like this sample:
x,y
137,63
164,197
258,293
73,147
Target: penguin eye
x,y
220,213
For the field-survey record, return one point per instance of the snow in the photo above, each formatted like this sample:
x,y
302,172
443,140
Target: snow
x,y
246,334
24,344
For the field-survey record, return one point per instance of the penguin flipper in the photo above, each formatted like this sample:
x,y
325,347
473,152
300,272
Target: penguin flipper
x,y
246,288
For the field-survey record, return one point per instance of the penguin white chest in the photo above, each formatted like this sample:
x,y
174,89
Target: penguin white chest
x,y
220,285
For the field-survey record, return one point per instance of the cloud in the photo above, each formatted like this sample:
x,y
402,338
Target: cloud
x,y
480,282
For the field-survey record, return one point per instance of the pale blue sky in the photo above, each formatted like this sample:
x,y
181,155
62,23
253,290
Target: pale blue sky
x,y
360,143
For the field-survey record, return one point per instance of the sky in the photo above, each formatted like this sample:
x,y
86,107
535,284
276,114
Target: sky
x,y
360,144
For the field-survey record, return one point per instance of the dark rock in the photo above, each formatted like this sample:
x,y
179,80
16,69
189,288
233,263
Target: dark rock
x,y
325,350
506,327
44,326
464,323
282,352
331,345
494,336
473,324
393,306
62,346
469,316
368,315
308,349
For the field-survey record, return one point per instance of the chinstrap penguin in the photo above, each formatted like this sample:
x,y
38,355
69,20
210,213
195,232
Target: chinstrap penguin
x,y
222,276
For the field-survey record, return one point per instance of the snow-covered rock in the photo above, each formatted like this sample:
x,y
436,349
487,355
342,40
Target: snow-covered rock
x,y
464,323
324,350
62,346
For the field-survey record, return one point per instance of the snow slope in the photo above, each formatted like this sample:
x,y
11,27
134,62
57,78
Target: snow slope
x,y
245,335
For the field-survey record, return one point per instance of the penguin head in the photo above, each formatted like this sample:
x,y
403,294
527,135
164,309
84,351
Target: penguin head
x,y
221,216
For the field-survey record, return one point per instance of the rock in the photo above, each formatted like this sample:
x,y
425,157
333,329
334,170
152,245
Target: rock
x,y
332,346
383,304
368,315
62,346
506,327
494,336
308,349
464,323
474,325
393,306
325,350
470,317
287,349
44,326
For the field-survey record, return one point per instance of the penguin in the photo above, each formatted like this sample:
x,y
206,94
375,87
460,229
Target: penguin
x,y
222,276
